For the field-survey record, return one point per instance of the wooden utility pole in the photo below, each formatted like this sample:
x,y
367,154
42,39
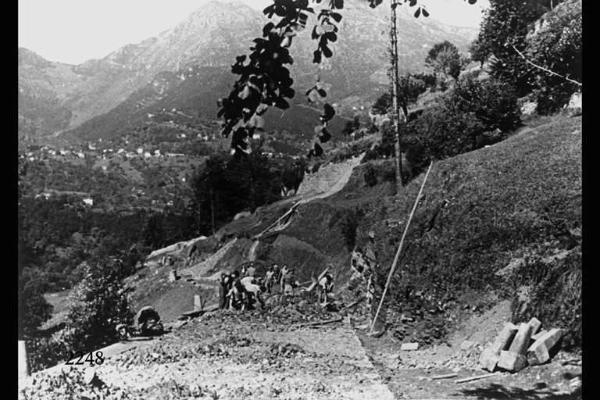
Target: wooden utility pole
x,y
395,104
212,210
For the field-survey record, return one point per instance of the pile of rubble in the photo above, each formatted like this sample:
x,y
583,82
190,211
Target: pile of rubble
x,y
276,317
80,384
516,347
439,357
285,349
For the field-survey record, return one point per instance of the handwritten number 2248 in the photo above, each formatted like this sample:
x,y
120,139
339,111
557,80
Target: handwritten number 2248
x,y
88,358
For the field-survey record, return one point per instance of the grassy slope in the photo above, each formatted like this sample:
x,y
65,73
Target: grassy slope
x,y
517,198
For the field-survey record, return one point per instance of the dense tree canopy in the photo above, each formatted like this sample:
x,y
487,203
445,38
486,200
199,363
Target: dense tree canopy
x,y
99,304
463,114
444,57
478,52
33,308
557,46
228,185
409,89
504,28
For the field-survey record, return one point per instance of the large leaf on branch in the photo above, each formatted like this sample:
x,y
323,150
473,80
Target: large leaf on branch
x,y
331,36
269,11
314,34
323,134
318,150
338,4
317,56
336,16
267,28
328,112
281,103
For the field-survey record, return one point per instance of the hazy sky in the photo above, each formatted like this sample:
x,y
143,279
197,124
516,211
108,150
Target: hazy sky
x,y
73,31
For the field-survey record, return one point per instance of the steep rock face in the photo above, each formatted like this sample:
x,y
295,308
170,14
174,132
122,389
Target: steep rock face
x,y
211,38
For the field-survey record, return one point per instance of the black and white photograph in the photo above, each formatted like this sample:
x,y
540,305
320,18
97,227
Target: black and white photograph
x,y
300,200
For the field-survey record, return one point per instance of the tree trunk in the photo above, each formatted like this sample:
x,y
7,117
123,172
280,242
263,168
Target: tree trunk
x,y
395,103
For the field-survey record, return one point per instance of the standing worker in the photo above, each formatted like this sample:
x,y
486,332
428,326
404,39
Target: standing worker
x,y
224,287
251,270
375,287
253,292
288,282
269,279
325,287
366,269
276,275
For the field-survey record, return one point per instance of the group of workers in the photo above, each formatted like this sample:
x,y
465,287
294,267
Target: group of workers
x,y
240,290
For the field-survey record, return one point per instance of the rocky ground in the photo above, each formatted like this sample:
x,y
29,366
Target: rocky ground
x,y
276,354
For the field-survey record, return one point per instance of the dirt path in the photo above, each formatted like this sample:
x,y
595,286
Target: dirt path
x,y
226,358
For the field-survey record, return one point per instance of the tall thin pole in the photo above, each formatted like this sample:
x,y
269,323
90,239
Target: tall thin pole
x,y
395,105
212,210
389,278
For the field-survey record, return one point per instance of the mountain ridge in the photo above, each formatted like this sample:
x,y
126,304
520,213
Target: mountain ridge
x,y
211,37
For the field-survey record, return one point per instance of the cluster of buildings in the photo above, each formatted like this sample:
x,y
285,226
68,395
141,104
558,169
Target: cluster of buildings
x,y
92,152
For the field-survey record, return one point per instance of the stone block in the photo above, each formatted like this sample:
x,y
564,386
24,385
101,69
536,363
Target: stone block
x,y
504,338
538,335
511,361
521,341
197,303
539,351
489,359
409,346
536,324
467,345
490,355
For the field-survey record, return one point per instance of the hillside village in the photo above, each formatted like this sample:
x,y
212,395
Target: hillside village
x,y
481,216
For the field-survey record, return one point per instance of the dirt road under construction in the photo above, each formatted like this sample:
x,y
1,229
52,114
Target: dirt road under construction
x,y
277,355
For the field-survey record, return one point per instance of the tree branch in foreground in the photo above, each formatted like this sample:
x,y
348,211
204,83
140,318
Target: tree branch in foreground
x,y
545,69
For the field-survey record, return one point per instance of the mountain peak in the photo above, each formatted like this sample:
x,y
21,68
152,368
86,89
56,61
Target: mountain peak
x,y
220,11
29,57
